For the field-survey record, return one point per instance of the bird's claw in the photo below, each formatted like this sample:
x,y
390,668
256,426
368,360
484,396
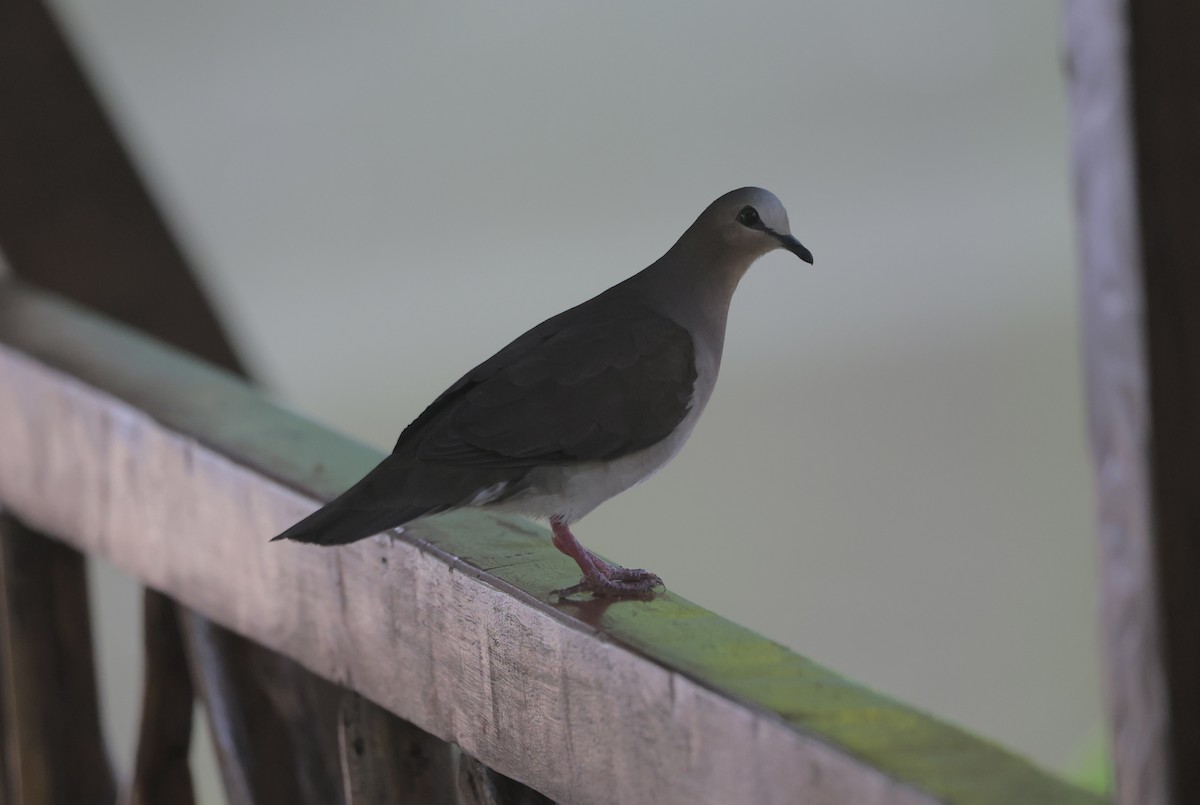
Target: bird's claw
x,y
615,582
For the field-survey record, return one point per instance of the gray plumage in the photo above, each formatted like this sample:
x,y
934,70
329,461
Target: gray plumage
x,y
582,406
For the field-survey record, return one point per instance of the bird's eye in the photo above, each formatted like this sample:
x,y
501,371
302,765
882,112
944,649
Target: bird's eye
x,y
748,217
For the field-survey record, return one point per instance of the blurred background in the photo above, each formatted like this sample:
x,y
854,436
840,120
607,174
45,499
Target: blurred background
x,y
892,477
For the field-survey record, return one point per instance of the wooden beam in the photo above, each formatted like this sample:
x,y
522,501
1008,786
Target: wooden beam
x,y
179,474
1135,80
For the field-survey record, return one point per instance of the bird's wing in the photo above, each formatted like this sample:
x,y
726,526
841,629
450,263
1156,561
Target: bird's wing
x,y
576,388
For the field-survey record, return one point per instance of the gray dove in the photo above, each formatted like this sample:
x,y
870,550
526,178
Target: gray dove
x,y
580,408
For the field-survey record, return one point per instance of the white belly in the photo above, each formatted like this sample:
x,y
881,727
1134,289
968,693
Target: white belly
x,y
570,492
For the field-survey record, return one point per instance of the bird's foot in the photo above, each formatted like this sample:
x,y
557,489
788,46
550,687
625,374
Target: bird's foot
x,y
600,578
614,581
611,572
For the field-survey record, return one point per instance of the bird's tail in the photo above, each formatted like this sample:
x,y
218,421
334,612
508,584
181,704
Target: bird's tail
x,y
338,524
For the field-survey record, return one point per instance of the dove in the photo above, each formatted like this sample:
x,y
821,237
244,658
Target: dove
x,y
581,407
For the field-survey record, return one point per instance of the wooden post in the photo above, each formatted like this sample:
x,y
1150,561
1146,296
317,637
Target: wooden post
x,y
1135,109
266,756
161,771
479,785
386,760
1166,105
53,747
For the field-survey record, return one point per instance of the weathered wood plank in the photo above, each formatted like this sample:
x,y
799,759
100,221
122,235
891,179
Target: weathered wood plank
x,y
54,752
387,760
179,474
1135,81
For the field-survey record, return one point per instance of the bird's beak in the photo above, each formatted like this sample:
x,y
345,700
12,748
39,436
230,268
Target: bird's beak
x,y
795,247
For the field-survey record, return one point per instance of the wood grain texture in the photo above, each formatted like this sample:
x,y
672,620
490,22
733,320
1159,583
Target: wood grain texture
x,y
54,751
179,474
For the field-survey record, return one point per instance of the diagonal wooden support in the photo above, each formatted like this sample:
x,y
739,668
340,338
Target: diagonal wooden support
x,y
75,217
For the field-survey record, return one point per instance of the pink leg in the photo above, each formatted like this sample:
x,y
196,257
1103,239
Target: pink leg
x,y
599,577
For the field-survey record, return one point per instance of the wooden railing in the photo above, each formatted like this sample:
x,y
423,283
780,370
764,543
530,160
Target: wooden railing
x,y
433,666
178,474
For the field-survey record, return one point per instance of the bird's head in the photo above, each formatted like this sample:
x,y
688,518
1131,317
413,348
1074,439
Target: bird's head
x,y
752,221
